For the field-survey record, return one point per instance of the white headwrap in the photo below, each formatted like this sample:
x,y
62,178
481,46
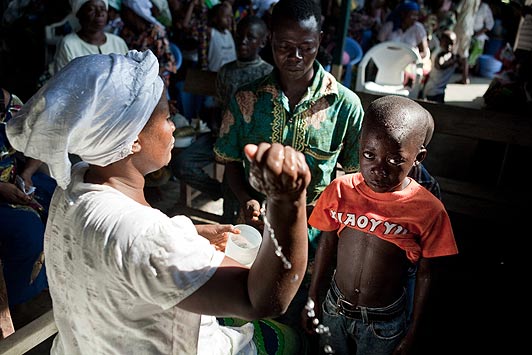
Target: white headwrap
x,y
143,9
95,107
76,5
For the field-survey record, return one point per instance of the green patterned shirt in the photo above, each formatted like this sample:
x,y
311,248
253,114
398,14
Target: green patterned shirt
x,y
325,125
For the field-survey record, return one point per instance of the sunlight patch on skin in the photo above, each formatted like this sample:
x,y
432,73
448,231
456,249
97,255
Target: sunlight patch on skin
x,y
309,23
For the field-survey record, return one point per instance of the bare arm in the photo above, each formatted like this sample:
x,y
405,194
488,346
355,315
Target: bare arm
x,y
266,289
423,47
188,14
30,167
236,179
325,255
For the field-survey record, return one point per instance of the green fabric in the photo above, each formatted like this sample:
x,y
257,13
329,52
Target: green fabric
x,y
475,50
272,338
325,125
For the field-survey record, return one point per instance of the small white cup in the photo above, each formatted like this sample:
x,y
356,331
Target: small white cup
x,y
244,247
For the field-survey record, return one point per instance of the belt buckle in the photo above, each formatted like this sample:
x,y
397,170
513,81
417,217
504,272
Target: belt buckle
x,y
340,301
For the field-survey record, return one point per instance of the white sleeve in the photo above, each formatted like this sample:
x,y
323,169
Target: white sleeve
x,y
171,261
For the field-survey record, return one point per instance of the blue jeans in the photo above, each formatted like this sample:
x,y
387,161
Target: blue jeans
x,y
363,336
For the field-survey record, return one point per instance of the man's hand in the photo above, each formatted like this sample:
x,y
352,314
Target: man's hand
x,y
251,210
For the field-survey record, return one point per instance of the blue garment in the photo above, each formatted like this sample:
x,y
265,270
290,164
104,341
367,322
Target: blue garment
x,y
22,226
21,243
371,337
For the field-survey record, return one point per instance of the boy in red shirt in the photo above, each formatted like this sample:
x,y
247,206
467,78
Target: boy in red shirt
x,y
378,222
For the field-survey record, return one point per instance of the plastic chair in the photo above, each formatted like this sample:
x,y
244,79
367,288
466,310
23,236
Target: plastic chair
x,y
177,54
392,60
353,48
53,33
187,102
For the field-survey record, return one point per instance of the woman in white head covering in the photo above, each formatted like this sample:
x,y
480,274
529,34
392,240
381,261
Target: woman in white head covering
x,y
91,38
124,277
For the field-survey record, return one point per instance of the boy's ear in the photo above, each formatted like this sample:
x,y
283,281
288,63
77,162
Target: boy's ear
x,y
421,155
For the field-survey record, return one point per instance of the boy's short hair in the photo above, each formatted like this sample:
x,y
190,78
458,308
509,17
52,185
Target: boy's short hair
x,y
251,20
297,10
213,12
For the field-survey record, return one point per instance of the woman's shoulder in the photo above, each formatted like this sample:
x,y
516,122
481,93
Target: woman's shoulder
x,y
117,42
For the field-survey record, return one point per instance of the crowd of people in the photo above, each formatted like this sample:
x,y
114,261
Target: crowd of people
x,y
340,259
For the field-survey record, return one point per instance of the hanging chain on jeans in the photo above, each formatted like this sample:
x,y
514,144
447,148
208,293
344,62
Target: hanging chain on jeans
x,y
278,249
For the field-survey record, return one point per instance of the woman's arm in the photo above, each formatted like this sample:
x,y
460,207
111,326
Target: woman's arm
x,y
266,289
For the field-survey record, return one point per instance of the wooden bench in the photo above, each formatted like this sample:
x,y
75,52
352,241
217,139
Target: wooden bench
x,y
6,324
29,336
475,156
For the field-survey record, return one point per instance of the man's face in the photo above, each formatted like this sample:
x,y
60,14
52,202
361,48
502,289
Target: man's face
x,y
295,46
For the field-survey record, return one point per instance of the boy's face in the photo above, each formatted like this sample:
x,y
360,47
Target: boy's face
x,y
385,159
249,39
224,18
295,46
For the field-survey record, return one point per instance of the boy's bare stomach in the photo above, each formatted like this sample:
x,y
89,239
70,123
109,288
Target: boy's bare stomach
x,y
370,271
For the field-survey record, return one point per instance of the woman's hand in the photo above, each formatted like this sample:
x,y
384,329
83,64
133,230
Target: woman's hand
x,y
10,193
279,172
216,234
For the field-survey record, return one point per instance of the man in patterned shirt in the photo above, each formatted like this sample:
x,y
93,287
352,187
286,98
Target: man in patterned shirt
x,y
298,104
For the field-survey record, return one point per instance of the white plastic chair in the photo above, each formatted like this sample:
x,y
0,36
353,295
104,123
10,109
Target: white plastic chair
x,y
392,60
53,33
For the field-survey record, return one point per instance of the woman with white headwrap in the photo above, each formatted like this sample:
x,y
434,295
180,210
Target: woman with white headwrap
x,y
91,37
124,277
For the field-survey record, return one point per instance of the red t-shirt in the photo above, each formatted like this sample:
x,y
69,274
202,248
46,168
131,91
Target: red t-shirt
x,y
413,219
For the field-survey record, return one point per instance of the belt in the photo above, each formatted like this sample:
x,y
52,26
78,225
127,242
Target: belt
x,y
349,310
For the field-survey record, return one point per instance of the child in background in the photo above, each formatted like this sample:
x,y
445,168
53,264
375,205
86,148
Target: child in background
x,y
251,36
444,65
222,48
377,223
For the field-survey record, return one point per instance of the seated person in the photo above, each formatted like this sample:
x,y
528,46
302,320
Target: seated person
x,y
251,37
91,38
23,214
